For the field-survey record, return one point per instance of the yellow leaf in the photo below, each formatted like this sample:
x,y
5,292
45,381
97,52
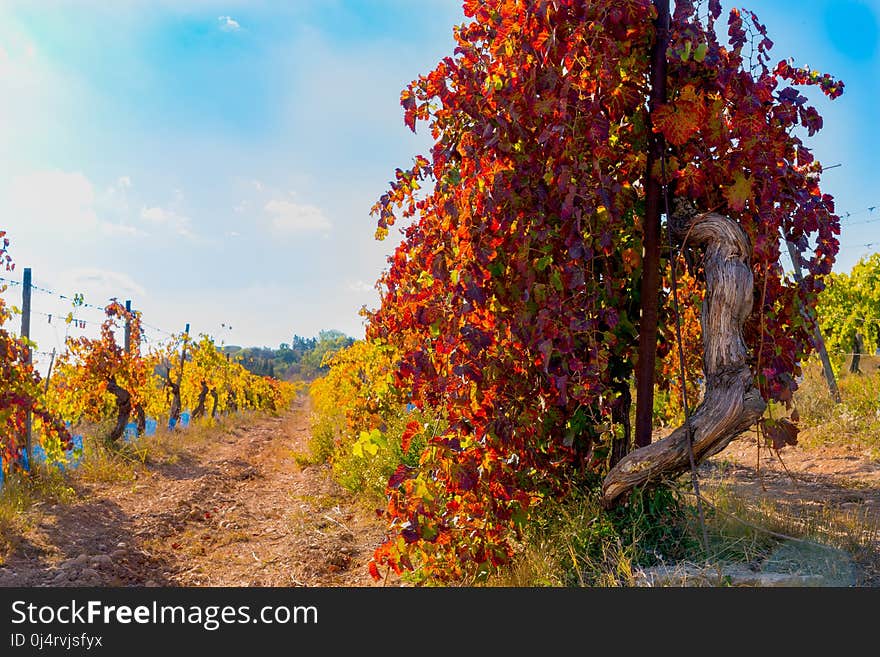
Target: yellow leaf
x,y
738,193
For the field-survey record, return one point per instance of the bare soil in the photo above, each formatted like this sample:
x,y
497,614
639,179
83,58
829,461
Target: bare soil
x,y
833,488
840,476
235,510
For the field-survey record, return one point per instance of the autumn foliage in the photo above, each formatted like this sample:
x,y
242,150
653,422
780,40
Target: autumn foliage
x,y
99,379
20,387
91,367
209,383
360,421
669,407
513,298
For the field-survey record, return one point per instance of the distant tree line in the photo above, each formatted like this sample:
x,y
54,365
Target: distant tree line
x,y
300,359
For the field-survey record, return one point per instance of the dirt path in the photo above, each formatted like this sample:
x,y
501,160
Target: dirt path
x,y
834,490
234,508
235,511
836,476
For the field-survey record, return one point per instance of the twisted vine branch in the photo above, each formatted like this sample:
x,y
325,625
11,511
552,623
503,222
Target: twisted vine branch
x,y
731,403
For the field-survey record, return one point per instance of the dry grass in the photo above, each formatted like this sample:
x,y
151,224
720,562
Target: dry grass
x,y
21,492
104,464
854,422
851,529
576,543
749,530
127,460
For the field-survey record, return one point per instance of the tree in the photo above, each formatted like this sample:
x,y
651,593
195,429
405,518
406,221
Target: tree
x,y
849,307
513,298
327,343
301,345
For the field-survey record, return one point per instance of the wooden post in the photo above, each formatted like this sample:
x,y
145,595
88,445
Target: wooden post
x,y
183,354
128,326
650,282
26,334
819,341
49,371
176,406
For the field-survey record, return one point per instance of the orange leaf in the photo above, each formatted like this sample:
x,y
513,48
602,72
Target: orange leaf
x,y
679,120
412,428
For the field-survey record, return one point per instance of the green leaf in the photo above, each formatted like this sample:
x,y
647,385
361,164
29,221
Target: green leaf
x,y
687,51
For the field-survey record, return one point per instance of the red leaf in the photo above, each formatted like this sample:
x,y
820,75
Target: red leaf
x,y
374,571
399,476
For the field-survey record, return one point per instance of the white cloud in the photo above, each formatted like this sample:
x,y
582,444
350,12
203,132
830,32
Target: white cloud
x,y
112,206
63,208
156,215
56,201
102,284
361,286
228,24
122,229
289,217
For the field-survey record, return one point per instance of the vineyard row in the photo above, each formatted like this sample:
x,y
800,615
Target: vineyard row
x,y
116,385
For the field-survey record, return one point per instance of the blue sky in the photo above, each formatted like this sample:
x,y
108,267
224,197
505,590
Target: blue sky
x,y
215,162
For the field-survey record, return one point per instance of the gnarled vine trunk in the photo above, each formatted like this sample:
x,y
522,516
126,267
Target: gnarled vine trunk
x,y
199,410
858,348
216,399
141,416
123,409
174,390
731,403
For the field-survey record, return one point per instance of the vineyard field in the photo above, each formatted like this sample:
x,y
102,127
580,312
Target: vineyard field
x,y
214,506
599,308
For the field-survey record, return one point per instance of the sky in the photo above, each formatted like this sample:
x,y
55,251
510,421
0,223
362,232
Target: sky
x,y
215,162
